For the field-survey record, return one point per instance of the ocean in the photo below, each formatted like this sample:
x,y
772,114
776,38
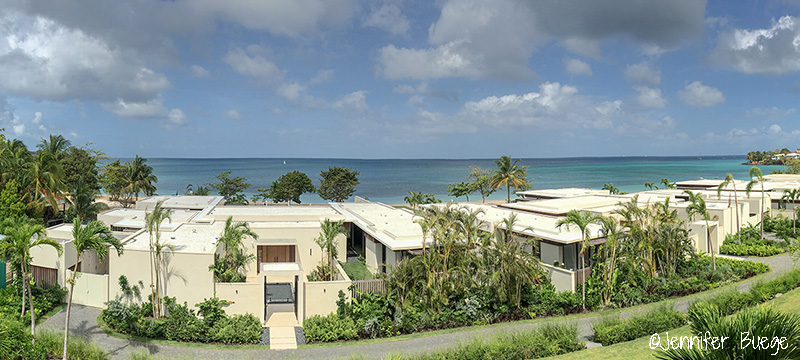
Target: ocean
x,y
388,181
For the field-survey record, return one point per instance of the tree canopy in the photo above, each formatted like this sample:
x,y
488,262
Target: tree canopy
x,y
288,188
230,188
337,183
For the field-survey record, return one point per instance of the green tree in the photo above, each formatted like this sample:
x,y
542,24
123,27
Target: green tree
x,y
202,191
481,181
792,195
288,188
230,188
667,184
55,145
697,206
80,169
414,198
581,221
94,236
729,180
337,183
11,205
514,268
229,266
44,184
611,188
460,189
650,186
327,241
509,174
608,255
16,246
82,204
139,177
756,177
116,186
153,221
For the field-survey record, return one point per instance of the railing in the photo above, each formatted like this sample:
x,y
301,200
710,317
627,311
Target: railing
x,y
367,286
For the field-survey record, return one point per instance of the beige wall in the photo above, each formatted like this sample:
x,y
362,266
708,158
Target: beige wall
x,y
321,296
308,253
187,274
247,298
371,253
90,289
562,279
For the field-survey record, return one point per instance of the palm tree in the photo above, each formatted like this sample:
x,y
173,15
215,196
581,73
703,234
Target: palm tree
x,y
650,186
140,177
582,221
612,231
94,236
327,241
45,183
667,184
729,180
509,174
697,206
611,188
414,199
82,204
791,195
153,222
17,245
514,267
757,178
56,145
228,268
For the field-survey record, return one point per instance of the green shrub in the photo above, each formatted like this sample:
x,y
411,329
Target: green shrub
x,y
612,330
743,268
78,348
237,329
181,324
15,340
765,290
728,302
211,310
750,250
333,327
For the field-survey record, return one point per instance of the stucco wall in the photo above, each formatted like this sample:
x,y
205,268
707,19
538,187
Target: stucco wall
x,y
562,279
247,298
321,296
308,252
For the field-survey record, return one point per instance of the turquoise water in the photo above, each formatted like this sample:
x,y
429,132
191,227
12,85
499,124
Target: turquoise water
x,y
389,181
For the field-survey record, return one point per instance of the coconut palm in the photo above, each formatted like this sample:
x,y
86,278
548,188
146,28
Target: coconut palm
x,y
13,157
650,186
329,230
791,195
56,145
45,181
667,184
17,245
729,180
581,221
139,177
509,174
414,198
153,222
757,178
697,206
82,204
612,190
93,236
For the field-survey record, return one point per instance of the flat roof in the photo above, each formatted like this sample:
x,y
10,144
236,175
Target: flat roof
x,y
275,212
191,238
135,219
561,193
393,227
178,201
563,205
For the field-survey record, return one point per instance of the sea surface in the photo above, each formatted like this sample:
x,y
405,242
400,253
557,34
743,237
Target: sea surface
x,y
388,181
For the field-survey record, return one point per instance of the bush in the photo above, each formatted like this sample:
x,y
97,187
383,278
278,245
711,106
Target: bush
x,y
181,324
728,302
750,250
78,348
743,268
237,329
765,290
333,327
612,330
15,340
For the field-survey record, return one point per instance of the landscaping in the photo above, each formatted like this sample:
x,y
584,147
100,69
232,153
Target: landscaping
x,y
357,270
612,330
750,243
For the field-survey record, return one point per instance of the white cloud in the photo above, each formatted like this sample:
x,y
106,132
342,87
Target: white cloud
x,y
650,97
577,67
774,129
253,62
322,76
233,114
177,117
774,50
44,59
153,109
643,74
354,103
388,17
199,71
772,112
698,95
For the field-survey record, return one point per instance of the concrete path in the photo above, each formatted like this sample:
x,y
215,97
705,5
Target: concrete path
x,y
84,323
281,331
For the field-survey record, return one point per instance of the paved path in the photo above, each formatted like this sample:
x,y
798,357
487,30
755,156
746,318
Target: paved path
x,y
84,323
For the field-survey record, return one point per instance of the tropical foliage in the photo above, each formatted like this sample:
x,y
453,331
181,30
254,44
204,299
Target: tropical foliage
x,y
417,198
329,231
337,183
231,189
153,221
125,181
287,188
229,267
508,175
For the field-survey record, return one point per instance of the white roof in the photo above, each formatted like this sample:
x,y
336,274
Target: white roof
x,y
393,227
190,238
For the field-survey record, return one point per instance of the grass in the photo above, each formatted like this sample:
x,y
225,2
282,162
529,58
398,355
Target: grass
x,y
110,332
604,312
357,270
77,347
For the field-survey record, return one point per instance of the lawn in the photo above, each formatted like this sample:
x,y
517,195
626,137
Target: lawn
x,y
356,270
640,349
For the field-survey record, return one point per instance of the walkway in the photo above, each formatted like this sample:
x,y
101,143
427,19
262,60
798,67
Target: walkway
x,y
84,323
281,331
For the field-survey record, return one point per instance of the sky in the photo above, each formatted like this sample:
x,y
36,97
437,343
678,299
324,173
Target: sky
x,y
402,79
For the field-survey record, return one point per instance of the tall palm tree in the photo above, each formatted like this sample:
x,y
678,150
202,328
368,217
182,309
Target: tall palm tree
x,y
82,203
791,195
612,231
697,206
45,181
414,198
228,267
757,178
581,221
153,222
17,245
56,145
650,186
509,174
514,267
667,184
612,190
94,236
729,180
329,230
13,157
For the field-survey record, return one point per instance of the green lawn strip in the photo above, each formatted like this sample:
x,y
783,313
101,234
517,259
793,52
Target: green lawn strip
x,y
110,332
604,312
635,349
356,270
788,303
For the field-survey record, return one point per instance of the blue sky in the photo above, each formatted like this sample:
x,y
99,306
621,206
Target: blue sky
x,y
402,79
